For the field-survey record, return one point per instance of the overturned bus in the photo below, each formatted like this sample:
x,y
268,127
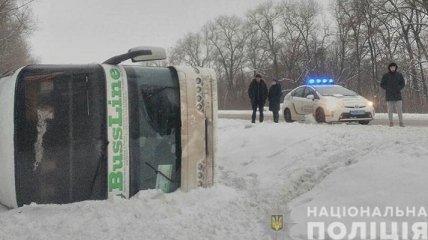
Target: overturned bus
x,y
79,132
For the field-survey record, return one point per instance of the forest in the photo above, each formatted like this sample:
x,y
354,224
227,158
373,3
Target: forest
x,y
16,24
352,41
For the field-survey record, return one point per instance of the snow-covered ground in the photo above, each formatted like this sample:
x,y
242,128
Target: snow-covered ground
x,y
410,116
262,170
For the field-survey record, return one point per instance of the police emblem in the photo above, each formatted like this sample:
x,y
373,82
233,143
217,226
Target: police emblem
x,y
276,222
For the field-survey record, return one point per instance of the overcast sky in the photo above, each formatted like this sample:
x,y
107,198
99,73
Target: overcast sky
x,y
89,31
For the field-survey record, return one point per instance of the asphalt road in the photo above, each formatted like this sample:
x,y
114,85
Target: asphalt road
x,y
268,117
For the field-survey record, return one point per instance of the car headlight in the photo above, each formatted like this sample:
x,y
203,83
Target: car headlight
x,y
370,103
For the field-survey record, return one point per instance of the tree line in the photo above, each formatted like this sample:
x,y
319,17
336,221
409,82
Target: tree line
x,y
353,41
16,23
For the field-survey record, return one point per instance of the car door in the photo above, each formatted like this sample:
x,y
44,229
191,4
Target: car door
x,y
298,100
308,104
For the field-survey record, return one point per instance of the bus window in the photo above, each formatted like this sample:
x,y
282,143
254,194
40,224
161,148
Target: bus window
x,y
155,148
60,133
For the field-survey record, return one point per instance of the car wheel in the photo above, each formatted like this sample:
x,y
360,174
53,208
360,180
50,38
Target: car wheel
x,y
365,122
287,116
320,115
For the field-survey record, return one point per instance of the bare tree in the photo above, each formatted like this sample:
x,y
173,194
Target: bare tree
x,y
299,17
417,30
368,35
343,39
15,26
256,56
194,50
265,17
227,37
405,20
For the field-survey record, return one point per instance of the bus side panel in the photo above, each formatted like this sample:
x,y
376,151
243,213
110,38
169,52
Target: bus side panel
x,y
7,160
211,107
117,131
198,117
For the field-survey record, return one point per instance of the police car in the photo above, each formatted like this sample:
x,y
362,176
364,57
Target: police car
x,y
327,102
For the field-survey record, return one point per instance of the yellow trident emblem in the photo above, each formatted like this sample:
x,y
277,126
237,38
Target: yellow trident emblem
x,y
276,222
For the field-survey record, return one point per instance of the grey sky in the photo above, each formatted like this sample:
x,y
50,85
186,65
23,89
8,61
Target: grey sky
x,y
88,31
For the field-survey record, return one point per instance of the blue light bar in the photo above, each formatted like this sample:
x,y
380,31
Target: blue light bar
x,y
320,81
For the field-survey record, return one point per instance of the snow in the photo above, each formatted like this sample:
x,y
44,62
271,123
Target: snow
x,y
410,116
261,170
382,116
391,174
240,112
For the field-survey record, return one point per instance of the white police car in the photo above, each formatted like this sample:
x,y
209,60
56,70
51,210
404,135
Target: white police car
x,y
327,102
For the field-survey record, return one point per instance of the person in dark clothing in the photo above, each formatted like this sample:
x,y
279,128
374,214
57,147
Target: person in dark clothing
x,y
274,97
393,82
258,93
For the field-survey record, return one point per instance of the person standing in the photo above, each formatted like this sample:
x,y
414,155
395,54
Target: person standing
x,y
274,97
393,83
258,93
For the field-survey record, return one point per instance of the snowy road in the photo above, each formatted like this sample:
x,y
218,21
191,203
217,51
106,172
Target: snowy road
x,y
416,120
262,170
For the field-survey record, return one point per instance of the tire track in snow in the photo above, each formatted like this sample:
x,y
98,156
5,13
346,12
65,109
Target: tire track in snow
x,y
309,161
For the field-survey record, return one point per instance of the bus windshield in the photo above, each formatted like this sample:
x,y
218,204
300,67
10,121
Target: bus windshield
x,y
154,115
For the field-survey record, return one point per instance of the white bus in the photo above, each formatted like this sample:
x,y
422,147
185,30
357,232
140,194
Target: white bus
x,y
79,132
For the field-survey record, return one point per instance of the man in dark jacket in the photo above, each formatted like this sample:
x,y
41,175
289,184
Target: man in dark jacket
x,y
258,93
393,82
274,97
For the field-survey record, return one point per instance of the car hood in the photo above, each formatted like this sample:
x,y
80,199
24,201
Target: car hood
x,y
349,101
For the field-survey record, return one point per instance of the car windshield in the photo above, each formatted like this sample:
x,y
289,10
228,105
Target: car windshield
x,y
334,90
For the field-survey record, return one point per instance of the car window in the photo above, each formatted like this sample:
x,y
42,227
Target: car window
x,y
307,92
298,92
310,91
334,90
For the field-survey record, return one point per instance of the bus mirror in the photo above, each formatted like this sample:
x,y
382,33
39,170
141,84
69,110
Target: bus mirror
x,y
140,54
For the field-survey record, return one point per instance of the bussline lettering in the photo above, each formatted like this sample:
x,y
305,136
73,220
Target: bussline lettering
x,y
115,177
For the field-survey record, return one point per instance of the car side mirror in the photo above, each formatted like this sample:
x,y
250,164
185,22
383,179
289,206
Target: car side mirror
x,y
310,96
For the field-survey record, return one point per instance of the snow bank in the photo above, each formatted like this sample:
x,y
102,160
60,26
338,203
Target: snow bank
x,y
392,174
2,208
239,112
382,116
261,170
200,214
410,116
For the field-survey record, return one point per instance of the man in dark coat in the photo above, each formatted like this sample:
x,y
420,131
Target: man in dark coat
x,y
258,93
274,97
393,82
